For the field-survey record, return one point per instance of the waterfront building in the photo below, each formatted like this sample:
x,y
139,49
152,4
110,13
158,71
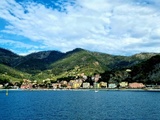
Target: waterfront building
x,y
56,85
1,86
75,85
112,85
86,85
136,85
63,84
69,87
96,85
26,86
103,84
123,84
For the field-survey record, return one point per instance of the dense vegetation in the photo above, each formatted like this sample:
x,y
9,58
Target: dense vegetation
x,y
147,72
55,66
9,75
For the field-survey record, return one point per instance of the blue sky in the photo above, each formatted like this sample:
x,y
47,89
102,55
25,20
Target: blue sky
x,y
120,27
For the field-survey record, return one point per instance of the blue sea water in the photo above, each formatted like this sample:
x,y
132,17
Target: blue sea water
x,y
79,105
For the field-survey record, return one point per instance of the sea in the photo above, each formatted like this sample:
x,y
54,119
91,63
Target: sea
x,y
79,105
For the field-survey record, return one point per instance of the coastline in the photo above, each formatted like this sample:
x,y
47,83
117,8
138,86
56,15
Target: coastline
x,y
156,90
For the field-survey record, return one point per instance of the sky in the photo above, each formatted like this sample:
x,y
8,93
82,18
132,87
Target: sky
x,y
118,27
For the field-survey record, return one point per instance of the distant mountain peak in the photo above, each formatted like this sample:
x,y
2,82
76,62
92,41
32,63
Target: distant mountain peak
x,y
44,54
144,55
6,52
75,50
55,64
78,49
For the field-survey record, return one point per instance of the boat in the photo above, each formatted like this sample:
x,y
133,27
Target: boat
x,y
96,91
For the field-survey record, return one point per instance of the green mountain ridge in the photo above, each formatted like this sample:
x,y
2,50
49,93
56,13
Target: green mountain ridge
x,y
54,64
36,62
7,57
147,71
11,75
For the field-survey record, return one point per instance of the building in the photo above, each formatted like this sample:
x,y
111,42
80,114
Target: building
x,y
1,86
96,85
56,85
69,87
136,85
123,84
75,85
63,84
86,85
96,77
26,86
112,85
103,84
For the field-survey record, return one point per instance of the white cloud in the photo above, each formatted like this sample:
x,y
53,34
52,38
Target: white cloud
x,y
98,25
16,43
20,47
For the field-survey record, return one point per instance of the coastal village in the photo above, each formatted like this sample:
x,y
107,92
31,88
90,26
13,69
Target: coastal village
x,y
79,83
79,69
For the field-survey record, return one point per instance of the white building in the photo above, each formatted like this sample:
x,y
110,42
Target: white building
x,y
86,85
112,85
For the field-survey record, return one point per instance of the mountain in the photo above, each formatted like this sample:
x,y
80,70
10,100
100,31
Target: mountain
x,y
36,62
7,57
8,74
147,72
55,64
80,61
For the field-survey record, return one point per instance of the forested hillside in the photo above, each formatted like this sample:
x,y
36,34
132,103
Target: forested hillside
x,y
56,65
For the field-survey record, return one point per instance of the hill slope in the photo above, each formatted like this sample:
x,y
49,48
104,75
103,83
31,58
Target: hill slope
x,y
54,64
9,74
36,62
7,57
81,61
147,72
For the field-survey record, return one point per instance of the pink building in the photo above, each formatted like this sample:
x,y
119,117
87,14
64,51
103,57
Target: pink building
x,y
136,85
26,86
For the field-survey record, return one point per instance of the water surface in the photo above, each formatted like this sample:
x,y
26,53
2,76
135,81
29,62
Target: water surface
x,y
79,105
